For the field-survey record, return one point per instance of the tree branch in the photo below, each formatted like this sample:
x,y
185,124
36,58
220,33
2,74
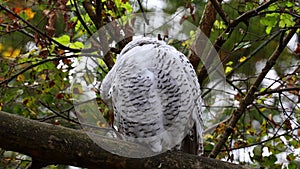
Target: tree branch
x,y
96,17
6,81
35,29
58,145
204,29
227,33
217,6
249,98
271,91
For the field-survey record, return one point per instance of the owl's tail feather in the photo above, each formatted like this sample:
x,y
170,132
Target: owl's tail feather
x,y
190,143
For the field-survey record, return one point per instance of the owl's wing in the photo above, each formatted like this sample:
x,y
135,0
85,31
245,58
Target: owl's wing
x,y
190,115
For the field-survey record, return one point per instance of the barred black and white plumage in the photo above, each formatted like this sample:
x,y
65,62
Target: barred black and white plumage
x,y
155,95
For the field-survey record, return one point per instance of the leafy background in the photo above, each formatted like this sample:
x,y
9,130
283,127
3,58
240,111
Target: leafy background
x,y
41,43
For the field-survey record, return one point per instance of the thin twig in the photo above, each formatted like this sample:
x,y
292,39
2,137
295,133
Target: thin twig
x,y
58,114
81,19
39,31
262,142
219,9
34,65
226,34
249,98
144,15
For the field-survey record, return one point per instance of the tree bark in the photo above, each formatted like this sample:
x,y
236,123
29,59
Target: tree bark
x,y
52,144
236,114
204,30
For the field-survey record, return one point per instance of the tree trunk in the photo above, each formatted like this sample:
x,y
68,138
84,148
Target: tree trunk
x,y
50,144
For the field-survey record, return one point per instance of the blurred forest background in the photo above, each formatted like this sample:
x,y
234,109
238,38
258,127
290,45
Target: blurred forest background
x,y
253,119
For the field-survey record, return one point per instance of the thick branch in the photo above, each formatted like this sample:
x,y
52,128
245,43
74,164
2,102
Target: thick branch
x,y
96,17
250,96
217,6
227,33
59,145
204,29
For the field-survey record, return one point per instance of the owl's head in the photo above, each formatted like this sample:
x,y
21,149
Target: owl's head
x,y
141,42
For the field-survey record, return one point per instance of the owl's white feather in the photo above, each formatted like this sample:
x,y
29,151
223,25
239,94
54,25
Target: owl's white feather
x,y
155,95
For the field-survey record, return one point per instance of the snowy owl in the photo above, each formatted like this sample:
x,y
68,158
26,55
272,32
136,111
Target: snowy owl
x,y
154,92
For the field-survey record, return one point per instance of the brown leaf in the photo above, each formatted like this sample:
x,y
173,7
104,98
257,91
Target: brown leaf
x,y
60,95
238,97
67,61
12,17
287,124
44,53
60,52
1,20
182,19
25,101
220,128
236,145
17,10
297,50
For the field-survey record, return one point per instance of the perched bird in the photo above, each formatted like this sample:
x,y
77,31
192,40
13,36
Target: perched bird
x,y
154,92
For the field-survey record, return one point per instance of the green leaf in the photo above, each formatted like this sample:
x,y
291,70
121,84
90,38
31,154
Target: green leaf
x,y
291,157
270,160
270,20
262,89
219,24
289,4
273,7
292,166
64,39
268,29
286,20
77,45
45,66
257,151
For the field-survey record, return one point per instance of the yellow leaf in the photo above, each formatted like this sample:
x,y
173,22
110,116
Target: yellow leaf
x,y
220,128
20,78
251,131
228,69
29,13
1,46
242,59
208,136
262,109
11,54
1,104
43,76
16,53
